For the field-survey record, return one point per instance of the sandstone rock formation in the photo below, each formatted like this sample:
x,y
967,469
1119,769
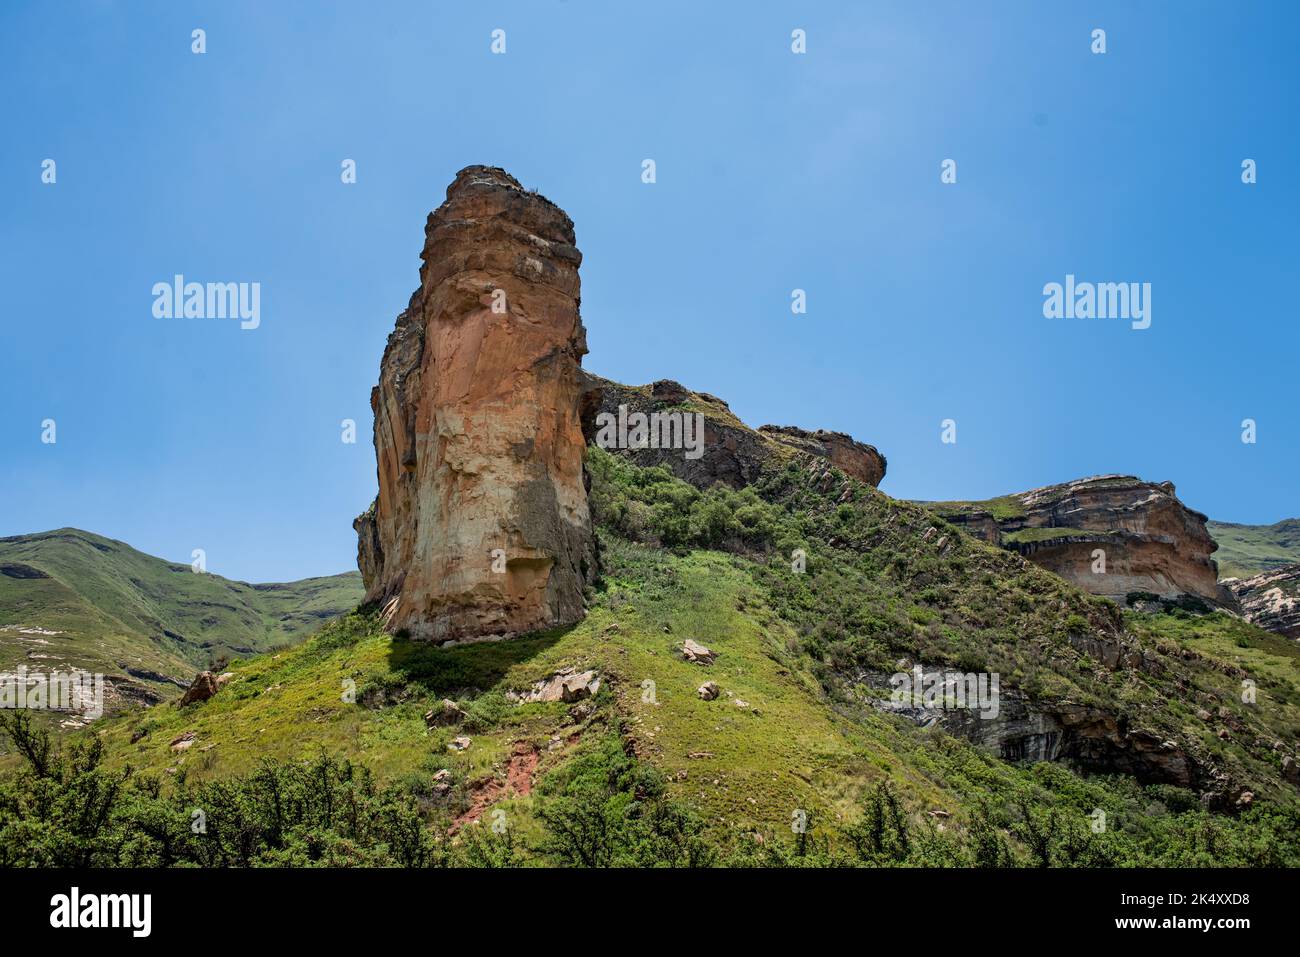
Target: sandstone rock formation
x,y
1027,730
695,652
568,684
481,527
733,453
1152,541
204,686
1271,600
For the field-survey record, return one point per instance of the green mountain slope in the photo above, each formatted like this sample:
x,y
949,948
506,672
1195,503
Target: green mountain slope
x,y
70,598
1143,714
1246,550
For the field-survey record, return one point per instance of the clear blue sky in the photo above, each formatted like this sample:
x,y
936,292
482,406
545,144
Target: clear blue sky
x,y
775,171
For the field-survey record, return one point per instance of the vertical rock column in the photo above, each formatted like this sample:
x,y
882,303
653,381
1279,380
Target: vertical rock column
x,y
481,527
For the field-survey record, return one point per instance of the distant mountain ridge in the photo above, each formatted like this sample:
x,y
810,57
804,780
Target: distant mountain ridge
x,y
73,599
1247,550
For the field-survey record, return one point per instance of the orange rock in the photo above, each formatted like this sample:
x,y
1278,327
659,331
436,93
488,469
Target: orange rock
x,y
1150,540
481,527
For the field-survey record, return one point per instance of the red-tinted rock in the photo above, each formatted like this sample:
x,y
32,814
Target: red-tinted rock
x,y
481,526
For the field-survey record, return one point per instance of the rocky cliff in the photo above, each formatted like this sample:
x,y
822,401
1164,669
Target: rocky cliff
x,y
481,527
729,451
1151,541
1271,600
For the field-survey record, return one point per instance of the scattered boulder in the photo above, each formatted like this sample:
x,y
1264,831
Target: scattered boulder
x,y
567,684
442,782
459,744
707,691
183,742
447,713
582,710
204,686
694,651
1291,771
1233,722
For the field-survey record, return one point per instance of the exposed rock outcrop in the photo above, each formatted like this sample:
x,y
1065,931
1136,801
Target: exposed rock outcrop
x,y
855,459
1026,730
567,684
1152,541
731,452
695,652
1271,600
481,527
204,686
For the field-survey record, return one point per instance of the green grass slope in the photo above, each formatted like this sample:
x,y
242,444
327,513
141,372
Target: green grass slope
x,y
69,598
648,772
1246,550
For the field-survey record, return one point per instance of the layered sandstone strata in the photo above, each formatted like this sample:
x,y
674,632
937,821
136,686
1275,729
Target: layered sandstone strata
x,y
1271,600
1151,541
729,451
481,527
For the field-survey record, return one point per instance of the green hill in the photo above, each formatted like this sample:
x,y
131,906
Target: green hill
x,y
1142,714
1246,550
72,599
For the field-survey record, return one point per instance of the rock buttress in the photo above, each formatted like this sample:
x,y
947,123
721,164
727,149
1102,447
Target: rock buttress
x,y
733,453
1151,540
481,527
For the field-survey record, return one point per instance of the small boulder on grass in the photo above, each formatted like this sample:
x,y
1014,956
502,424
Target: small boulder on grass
x,y
694,651
566,685
447,713
459,744
204,686
707,691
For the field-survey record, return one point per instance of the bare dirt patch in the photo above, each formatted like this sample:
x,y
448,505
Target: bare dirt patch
x,y
518,782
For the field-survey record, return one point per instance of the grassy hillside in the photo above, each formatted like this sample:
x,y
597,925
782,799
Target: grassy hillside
x,y
70,598
1246,550
648,772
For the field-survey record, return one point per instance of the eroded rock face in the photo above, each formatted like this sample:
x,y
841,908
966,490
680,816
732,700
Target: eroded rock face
x,y
1271,600
481,526
1152,541
855,459
1027,730
204,686
732,452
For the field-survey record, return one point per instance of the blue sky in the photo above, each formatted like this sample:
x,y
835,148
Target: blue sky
x,y
775,171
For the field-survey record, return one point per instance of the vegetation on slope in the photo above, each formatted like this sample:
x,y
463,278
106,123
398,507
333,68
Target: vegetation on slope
x,y
1246,550
72,599
791,764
